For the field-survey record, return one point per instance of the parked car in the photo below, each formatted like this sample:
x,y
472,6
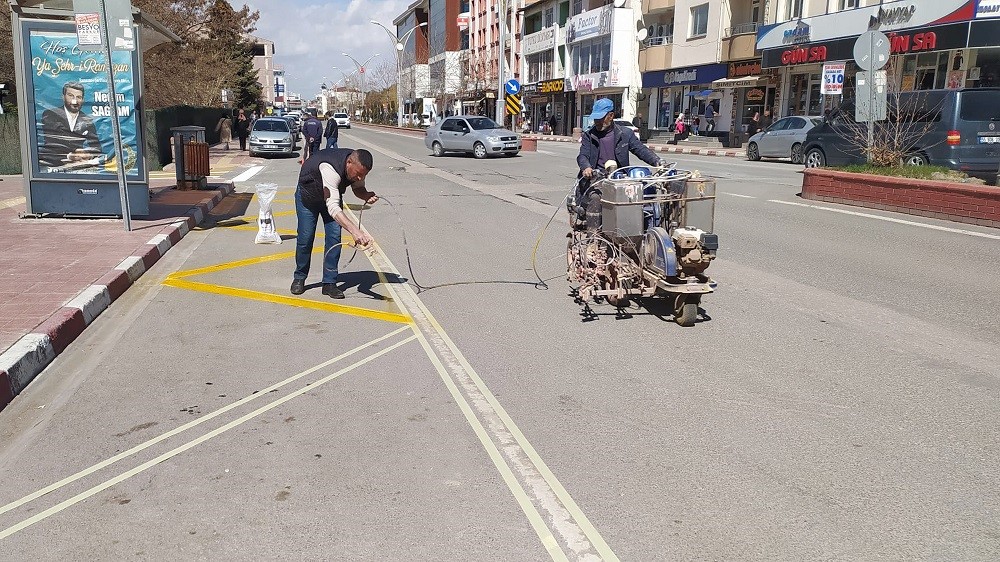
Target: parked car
x,y
785,138
628,125
343,120
480,136
295,126
957,129
271,135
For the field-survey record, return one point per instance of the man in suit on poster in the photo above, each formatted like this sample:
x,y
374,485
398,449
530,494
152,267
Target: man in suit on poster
x,y
67,135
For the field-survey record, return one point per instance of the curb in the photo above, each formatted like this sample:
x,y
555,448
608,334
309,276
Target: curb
x,y
29,356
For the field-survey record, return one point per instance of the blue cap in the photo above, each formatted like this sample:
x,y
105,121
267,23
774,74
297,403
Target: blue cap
x,y
602,107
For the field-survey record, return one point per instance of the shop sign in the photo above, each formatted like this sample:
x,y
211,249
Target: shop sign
x,y
798,34
593,23
540,41
705,74
529,88
833,79
744,69
902,14
591,82
938,38
551,87
755,95
988,9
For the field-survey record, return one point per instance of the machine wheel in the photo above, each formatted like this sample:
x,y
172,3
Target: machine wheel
x,y
686,309
797,157
815,158
479,150
437,148
915,159
753,153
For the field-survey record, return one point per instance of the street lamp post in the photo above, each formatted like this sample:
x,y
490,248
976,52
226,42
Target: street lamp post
x,y
399,46
361,71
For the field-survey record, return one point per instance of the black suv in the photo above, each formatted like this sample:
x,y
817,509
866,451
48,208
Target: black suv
x,y
957,129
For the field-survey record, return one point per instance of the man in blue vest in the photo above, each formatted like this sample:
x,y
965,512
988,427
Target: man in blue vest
x,y
323,180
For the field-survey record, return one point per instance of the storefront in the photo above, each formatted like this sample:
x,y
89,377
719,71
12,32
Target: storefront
x,y
751,89
686,90
931,46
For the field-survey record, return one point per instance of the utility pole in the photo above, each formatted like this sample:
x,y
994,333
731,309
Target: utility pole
x,y
399,45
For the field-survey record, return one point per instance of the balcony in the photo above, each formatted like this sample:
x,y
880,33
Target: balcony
x,y
657,57
657,6
739,42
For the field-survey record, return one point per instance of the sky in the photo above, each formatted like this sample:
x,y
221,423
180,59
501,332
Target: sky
x,y
310,37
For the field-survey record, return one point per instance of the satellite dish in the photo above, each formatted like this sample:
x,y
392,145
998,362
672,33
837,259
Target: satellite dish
x,y
642,34
619,3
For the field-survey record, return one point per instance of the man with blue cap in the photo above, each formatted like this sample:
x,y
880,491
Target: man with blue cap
x,y
606,142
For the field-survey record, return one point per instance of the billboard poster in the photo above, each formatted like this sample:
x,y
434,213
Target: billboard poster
x,y
70,105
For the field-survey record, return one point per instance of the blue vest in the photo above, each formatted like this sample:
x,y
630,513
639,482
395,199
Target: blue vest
x,y
311,181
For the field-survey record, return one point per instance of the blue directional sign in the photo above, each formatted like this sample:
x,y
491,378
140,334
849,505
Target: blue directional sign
x,y
512,87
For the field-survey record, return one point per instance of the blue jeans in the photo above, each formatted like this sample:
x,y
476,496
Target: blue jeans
x,y
331,142
308,219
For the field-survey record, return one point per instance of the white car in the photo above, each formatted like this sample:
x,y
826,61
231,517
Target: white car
x,y
343,120
783,139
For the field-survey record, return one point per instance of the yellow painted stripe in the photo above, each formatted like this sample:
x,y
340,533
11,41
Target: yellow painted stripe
x,y
286,300
234,264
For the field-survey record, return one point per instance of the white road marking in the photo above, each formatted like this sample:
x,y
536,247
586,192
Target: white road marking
x,y
738,195
891,219
194,423
529,479
540,151
193,443
248,174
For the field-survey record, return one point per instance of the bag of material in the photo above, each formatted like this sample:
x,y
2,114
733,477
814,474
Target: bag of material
x,y
266,231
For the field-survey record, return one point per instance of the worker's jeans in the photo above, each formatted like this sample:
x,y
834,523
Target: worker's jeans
x,y
308,219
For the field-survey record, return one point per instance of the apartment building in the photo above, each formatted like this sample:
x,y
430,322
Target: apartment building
x,y
263,63
543,71
415,72
482,57
934,44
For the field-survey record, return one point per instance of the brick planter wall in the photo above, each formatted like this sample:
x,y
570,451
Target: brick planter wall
x,y
971,204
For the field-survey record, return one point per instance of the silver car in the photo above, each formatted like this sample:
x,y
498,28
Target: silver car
x,y
783,139
471,133
271,135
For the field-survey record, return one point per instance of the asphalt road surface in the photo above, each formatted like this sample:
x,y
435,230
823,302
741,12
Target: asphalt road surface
x,y
837,399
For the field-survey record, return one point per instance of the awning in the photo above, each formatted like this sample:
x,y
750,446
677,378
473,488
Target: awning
x,y
702,93
746,82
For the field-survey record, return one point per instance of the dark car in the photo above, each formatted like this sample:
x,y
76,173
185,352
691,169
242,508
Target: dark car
x,y
957,129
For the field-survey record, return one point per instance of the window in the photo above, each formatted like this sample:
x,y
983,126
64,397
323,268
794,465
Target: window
x,y
448,125
577,7
548,17
755,12
592,56
794,9
699,21
848,4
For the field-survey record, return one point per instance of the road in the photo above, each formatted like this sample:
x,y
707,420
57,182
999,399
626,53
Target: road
x,y
835,402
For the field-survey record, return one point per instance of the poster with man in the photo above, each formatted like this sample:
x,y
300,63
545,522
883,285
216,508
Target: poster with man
x,y
72,106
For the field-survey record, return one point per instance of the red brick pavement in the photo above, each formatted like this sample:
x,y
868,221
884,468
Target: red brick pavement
x,y
57,274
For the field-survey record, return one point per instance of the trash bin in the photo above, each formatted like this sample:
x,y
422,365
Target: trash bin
x,y
191,164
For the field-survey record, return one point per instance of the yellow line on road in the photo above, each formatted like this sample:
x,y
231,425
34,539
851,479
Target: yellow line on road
x,y
191,444
288,301
234,264
191,424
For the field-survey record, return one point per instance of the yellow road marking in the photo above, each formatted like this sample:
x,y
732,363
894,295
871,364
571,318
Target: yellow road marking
x,y
191,424
234,264
286,300
14,202
191,444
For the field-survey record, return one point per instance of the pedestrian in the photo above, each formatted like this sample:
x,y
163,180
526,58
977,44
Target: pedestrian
x,y
332,132
766,120
323,180
553,121
709,117
637,123
242,128
680,129
754,126
312,131
225,130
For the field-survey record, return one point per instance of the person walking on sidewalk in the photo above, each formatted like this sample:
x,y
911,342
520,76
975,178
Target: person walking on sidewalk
x,y
323,180
312,131
709,117
225,130
242,129
332,132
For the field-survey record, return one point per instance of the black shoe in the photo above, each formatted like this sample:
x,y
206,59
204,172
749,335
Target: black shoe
x,y
331,290
298,286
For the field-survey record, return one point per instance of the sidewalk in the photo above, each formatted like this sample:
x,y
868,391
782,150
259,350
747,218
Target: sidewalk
x,y
57,275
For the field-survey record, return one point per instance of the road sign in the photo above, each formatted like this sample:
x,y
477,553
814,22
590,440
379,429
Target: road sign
x,y
513,102
871,99
512,87
833,78
871,50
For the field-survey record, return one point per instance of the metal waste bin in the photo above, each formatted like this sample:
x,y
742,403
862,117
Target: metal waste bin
x,y
191,164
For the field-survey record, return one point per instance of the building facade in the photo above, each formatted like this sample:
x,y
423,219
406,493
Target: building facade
x,y
263,63
482,58
415,71
543,67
